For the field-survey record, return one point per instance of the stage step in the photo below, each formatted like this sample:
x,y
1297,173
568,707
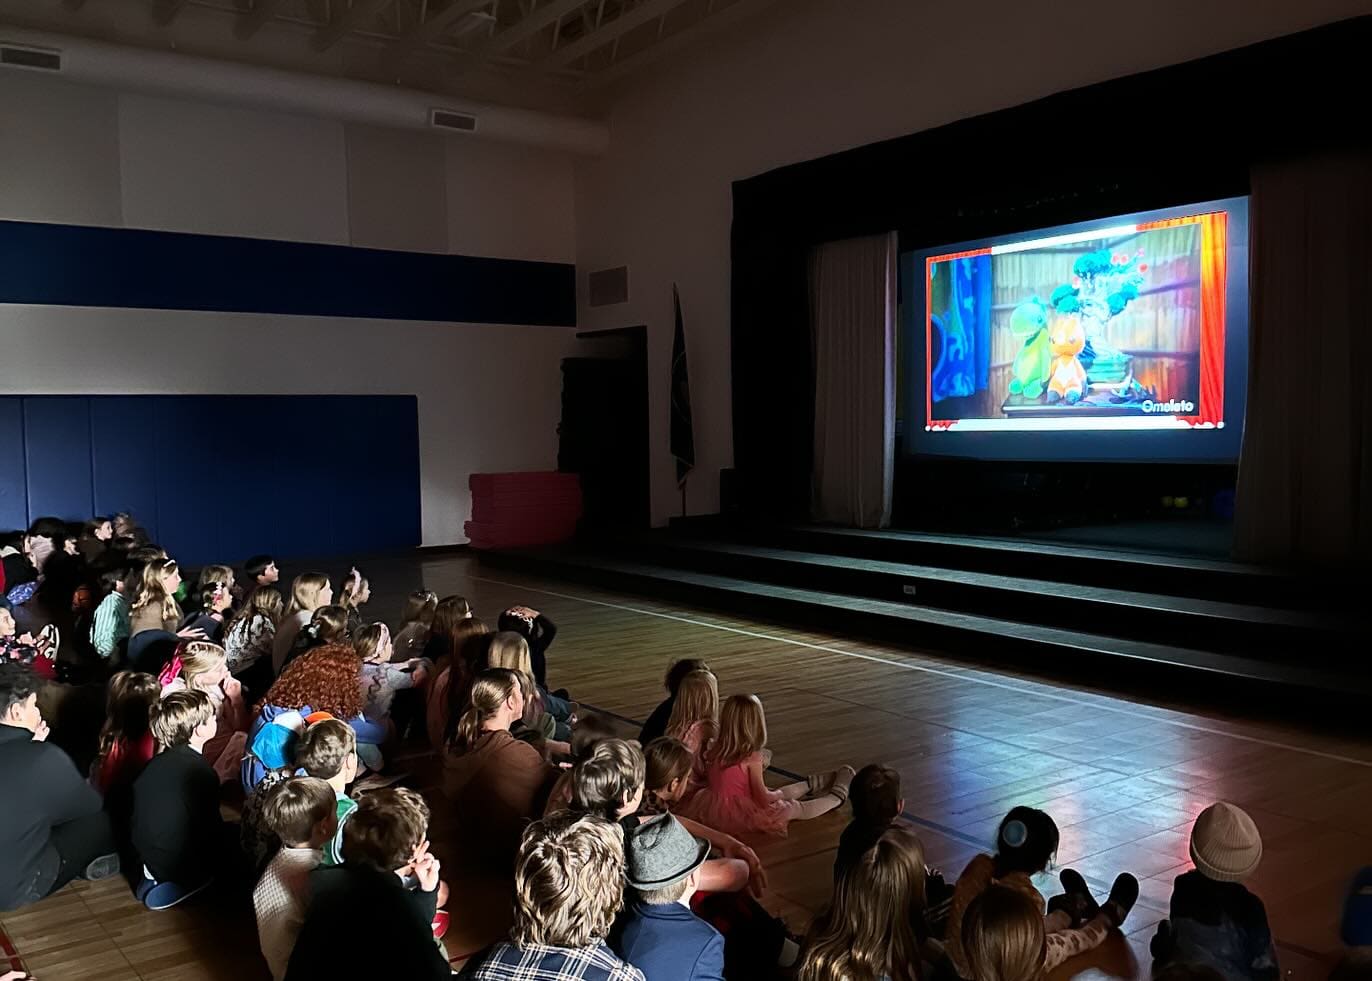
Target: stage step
x,y
943,631
1224,627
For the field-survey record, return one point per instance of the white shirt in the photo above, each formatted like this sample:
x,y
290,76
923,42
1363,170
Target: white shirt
x,y
280,901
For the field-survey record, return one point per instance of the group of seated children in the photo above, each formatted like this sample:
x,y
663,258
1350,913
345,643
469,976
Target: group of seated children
x,y
627,858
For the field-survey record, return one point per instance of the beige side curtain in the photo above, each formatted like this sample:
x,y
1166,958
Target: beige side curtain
x,y
853,325
1305,473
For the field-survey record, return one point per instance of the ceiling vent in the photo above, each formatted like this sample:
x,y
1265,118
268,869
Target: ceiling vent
x,y
608,286
34,59
463,122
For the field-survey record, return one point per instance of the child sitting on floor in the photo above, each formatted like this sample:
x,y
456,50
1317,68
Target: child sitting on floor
x,y
126,743
590,730
354,594
38,652
1214,920
384,843
657,722
177,829
109,633
736,799
1002,935
415,620
380,678
301,812
695,721
876,802
328,750
1026,842
203,666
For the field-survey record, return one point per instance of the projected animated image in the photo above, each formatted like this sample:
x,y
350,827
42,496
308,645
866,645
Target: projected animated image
x,y
1115,328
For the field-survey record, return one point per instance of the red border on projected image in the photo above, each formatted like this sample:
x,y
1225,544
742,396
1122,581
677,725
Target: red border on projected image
x,y
1214,271
929,330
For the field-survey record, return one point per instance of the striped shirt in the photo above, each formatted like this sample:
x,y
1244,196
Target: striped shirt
x,y
110,624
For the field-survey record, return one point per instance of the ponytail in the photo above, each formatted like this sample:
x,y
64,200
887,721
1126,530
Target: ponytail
x,y
491,689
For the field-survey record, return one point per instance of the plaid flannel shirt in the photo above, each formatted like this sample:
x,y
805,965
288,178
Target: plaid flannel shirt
x,y
535,962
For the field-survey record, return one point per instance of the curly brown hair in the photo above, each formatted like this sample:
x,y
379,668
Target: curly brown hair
x,y
327,679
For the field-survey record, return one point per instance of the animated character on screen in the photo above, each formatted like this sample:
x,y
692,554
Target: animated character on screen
x,y
1067,340
1029,323
1103,284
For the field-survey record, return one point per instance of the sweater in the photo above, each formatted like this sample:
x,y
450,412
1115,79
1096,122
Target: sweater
x,y
363,923
150,618
280,900
1220,925
286,632
110,626
41,790
177,828
498,786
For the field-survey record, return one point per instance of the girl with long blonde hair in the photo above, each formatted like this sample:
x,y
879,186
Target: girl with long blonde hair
x,y
695,719
868,932
202,666
309,591
735,798
249,636
1003,935
155,606
510,650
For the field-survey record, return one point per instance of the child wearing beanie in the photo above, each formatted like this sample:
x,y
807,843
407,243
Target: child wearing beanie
x,y
1215,921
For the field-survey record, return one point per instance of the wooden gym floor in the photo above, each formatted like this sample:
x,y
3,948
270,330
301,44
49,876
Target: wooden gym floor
x,y
1123,779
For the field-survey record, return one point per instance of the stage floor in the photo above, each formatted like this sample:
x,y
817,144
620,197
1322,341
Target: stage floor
x,y
1124,779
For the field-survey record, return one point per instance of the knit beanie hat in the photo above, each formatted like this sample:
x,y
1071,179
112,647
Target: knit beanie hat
x,y
1225,843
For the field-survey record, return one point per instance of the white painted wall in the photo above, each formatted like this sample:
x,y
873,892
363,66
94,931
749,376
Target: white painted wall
x,y
826,76
86,156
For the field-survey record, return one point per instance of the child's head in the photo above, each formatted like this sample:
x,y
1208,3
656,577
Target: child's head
x,y
326,679
386,830
328,750
680,669
662,861
19,695
215,573
609,782
302,811
124,523
875,796
355,591
182,718
591,729
496,693
113,579
203,664
261,570
216,596
7,625
667,769
1225,843
742,730
373,643
450,611
569,881
161,578
510,650
309,591
420,607
100,529
128,701
265,601
867,930
329,624
1002,935
1026,841
697,700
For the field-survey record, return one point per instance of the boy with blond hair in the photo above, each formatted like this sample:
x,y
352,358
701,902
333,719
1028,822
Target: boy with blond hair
x,y
302,813
177,828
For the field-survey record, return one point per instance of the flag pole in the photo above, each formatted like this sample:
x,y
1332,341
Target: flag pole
x,y
683,498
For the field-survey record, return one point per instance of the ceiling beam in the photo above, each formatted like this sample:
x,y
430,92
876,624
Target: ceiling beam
x,y
432,28
708,26
252,21
165,11
361,13
526,28
644,13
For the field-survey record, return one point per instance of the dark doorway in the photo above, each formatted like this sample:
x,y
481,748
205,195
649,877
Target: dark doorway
x,y
604,431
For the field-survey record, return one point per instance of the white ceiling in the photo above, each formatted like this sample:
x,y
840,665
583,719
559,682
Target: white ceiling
x,y
552,54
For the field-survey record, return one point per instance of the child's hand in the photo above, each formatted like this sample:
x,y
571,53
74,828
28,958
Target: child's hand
x,y
523,612
426,869
40,731
757,875
27,639
233,688
191,633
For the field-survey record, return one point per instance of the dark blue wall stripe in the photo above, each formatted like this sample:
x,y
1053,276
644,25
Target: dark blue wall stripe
x,y
71,265
216,478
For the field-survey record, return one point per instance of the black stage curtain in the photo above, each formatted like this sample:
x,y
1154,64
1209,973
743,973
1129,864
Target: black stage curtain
x,y
1292,95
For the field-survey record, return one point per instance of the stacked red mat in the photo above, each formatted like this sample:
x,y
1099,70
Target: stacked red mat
x,y
514,510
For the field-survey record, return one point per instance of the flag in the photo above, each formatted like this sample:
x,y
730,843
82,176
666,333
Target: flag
x,y
683,434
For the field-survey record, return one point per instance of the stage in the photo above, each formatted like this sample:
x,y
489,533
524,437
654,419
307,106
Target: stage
x,y
1119,616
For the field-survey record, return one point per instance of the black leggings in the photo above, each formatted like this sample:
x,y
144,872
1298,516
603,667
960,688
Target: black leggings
x,y
79,843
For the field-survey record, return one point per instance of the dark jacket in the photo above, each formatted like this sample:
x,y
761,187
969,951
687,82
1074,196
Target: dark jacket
x,y
1219,924
41,789
363,923
176,826
657,722
667,942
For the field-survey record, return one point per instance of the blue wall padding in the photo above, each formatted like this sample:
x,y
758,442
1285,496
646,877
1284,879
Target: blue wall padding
x,y
216,478
71,265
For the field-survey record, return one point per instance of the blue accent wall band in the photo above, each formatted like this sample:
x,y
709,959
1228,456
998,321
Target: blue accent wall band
x,y
69,265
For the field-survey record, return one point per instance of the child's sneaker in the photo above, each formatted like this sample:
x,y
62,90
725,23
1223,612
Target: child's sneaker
x,y
102,868
439,926
165,895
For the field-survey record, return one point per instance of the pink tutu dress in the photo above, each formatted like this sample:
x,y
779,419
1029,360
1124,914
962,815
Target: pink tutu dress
x,y
726,803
